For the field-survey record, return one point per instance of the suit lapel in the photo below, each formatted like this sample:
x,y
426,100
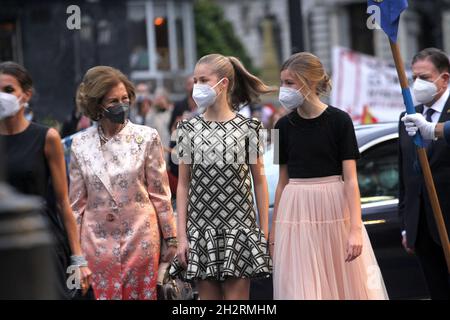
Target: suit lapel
x,y
419,109
445,116
96,161
414,157
119,151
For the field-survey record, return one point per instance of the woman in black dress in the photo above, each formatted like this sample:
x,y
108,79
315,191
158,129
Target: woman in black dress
x,y
35,166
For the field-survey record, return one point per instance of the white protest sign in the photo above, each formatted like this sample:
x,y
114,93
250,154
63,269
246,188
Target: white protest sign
x,y
362,83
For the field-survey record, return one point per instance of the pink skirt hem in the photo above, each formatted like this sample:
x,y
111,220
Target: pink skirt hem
x,y
311,232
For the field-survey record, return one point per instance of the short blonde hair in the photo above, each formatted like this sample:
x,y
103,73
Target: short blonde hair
x,y
309,70
96,84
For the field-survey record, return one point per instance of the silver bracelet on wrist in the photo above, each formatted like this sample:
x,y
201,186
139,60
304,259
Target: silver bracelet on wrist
x,y
78,261
172,242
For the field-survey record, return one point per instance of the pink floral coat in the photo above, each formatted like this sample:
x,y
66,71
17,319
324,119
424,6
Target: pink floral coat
x,y
120,196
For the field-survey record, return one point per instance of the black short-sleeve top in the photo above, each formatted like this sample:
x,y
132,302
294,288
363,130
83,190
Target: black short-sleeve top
x,y
313,148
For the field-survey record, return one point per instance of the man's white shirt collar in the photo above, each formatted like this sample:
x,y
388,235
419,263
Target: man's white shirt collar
x,y
439,105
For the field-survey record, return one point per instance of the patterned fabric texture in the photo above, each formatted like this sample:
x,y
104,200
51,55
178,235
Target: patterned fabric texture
x,y
121,199
224,239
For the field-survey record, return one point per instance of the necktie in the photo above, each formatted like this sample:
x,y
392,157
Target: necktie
x,y
429,114
428,117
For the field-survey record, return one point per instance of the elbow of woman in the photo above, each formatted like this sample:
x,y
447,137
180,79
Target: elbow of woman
x,y
182,191
259,180
62,204
280,186
351,182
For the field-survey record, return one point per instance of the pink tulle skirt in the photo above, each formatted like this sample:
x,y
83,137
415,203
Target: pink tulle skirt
x,y
311,231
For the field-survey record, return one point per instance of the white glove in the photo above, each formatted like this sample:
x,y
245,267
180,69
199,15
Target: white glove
x,y
414,122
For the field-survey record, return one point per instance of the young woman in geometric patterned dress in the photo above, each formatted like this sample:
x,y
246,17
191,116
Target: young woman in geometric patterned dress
x,y
220,152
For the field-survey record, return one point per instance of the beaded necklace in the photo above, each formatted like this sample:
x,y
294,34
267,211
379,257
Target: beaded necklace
x,y
101,133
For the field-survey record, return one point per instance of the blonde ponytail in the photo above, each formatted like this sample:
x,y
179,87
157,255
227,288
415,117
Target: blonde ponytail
x,y
244,87
247,87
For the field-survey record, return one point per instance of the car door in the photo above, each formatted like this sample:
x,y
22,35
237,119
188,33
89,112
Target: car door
x,y
378,183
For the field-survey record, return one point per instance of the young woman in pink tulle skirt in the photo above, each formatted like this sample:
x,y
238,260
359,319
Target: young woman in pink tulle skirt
x,y
320,247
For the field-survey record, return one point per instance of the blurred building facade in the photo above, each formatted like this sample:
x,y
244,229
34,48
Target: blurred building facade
x,y
265,31
248,18
329,23
154,40
324,24
149,40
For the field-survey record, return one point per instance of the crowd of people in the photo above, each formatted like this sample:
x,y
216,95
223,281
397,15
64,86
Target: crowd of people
x,y
135,151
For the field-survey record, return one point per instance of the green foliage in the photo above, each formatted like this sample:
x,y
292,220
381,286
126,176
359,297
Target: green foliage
x,y
216,35
51,122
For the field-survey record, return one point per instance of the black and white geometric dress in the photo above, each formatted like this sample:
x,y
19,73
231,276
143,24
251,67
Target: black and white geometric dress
x,y
224,239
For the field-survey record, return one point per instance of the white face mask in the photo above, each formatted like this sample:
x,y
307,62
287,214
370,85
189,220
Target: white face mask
x,y
290,98
9,105
424,91
204,95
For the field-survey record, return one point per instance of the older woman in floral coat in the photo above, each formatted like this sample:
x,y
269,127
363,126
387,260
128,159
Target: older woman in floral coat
x,y
119,191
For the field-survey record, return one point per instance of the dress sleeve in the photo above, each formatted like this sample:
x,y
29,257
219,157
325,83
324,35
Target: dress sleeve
x,y
280,152
348,146
183,146
158,186
257,138
77,190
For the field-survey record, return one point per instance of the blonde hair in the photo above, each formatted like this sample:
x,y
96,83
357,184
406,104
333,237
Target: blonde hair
x,y
96,84
310,71
244,87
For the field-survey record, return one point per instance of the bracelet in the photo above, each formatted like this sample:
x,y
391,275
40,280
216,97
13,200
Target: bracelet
x,y
172,242
79,261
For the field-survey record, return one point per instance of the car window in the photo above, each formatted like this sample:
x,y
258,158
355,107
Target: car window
x,y
378,172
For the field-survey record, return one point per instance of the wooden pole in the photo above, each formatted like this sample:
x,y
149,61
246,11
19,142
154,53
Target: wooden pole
x,y
423,159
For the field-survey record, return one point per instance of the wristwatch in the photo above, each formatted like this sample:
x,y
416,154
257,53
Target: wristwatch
x,y
172,242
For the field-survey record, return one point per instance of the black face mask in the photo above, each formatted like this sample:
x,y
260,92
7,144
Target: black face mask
x,y
118,113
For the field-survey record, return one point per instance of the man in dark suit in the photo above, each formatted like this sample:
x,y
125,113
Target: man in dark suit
x,y
431,69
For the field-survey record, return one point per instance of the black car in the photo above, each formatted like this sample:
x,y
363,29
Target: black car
x,y
378,183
